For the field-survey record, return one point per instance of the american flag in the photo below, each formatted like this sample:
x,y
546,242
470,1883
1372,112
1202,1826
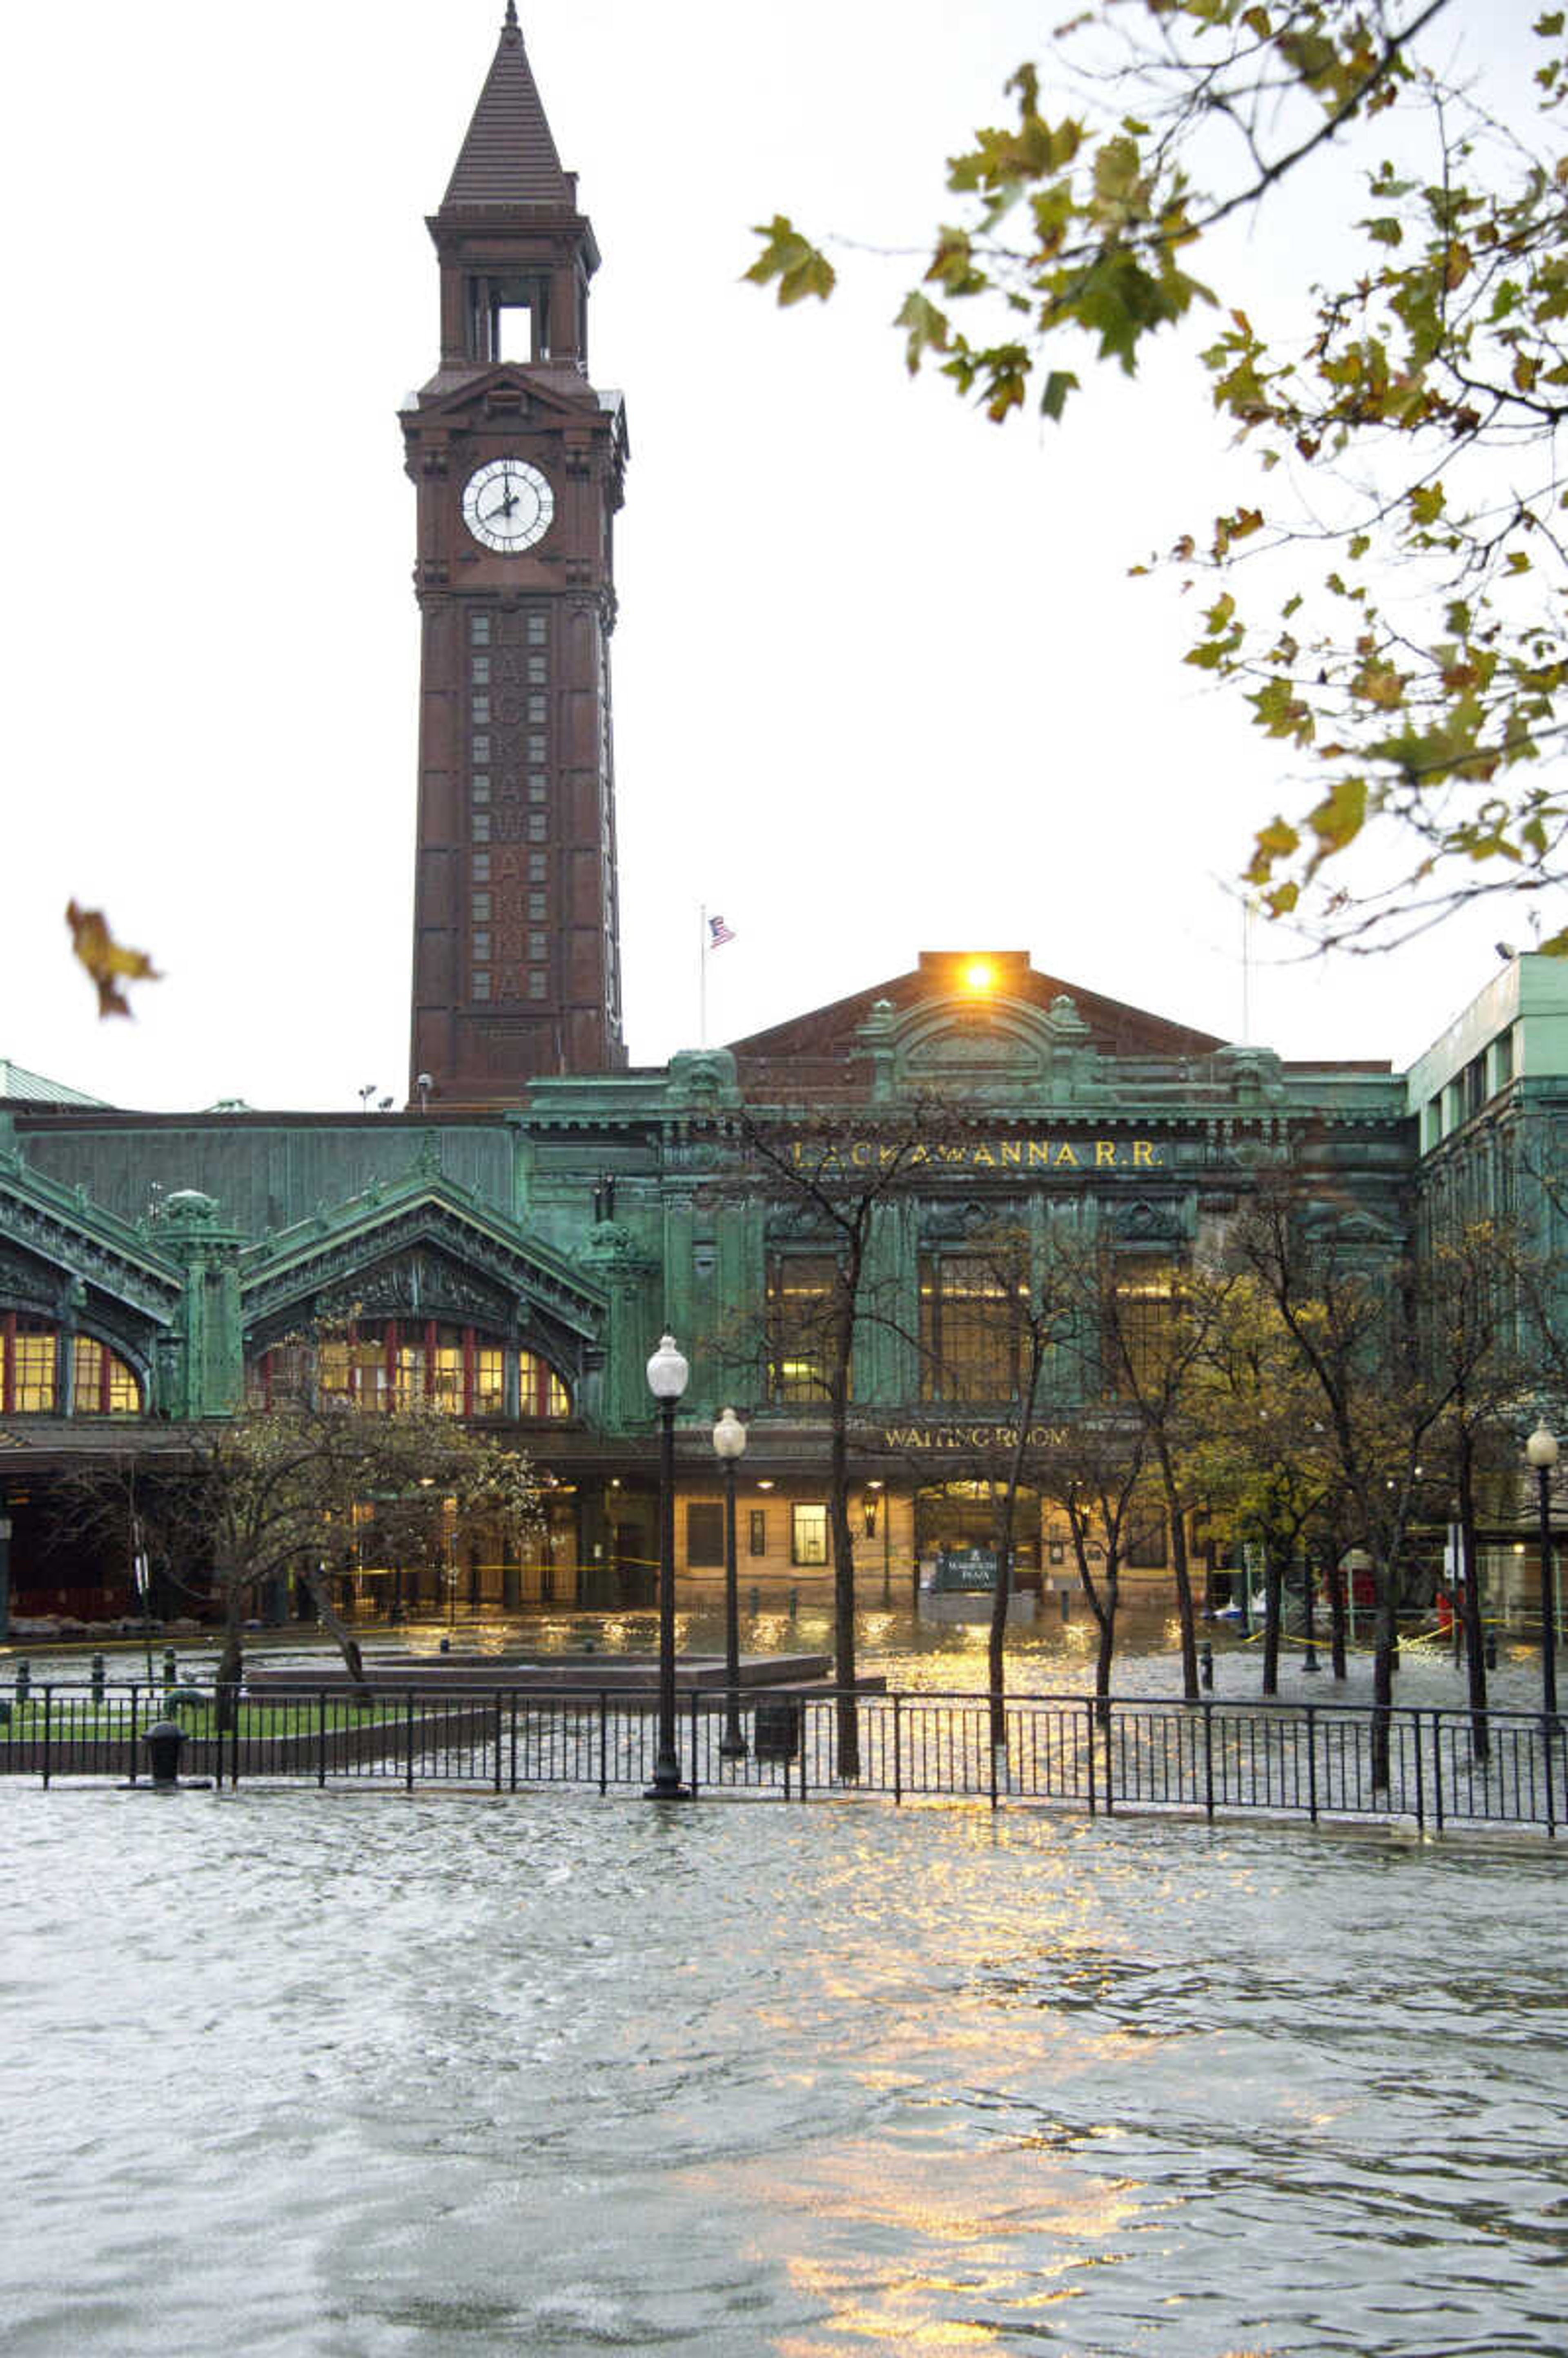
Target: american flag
x,y
718,933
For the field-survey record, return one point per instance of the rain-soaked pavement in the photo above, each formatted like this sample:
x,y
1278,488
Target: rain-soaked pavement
x,y
363,2073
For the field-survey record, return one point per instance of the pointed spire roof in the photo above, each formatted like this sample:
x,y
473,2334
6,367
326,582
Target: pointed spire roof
x,y
509,157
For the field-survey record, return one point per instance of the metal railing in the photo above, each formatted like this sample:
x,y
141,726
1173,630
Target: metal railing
x,y
1437,1766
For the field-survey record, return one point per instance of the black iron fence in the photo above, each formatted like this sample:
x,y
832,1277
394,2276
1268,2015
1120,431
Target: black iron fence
x,y
1434,1766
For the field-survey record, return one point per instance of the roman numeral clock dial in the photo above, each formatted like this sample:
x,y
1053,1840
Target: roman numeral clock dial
x,y
508,505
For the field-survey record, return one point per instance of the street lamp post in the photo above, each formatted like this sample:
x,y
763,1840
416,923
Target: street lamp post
x,y
1542,1451
667,1373
729,1441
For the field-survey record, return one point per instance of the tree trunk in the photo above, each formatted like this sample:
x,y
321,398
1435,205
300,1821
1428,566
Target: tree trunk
x,y
1387,1630
1470,1604
848,1717
1274,1598
1181,1565
1105,1654
1002,1593
231,1662
1334,1580
331,1620
996,1640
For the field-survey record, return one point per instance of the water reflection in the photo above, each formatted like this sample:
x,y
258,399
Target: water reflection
x,y
313,2075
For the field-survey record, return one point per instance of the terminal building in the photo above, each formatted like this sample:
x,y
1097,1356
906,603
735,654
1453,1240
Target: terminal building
x,y
510,1246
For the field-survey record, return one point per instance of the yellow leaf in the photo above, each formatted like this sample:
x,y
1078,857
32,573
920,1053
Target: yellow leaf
x,y
107,960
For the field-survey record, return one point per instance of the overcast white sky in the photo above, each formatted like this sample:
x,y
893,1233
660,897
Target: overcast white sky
x,y
882,681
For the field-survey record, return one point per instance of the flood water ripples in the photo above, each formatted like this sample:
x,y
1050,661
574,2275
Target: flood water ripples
x,y
361,2075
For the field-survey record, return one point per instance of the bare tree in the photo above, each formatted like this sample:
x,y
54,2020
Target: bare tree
x,y
1466,1298
1352,1322
834,1193
1097,1464
272,1493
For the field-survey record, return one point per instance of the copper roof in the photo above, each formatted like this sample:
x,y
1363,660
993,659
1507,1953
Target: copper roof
x,y
509,157
32,1088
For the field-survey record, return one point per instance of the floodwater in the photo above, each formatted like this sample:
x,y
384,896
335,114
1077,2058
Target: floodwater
x,y
289,2074
1048,1656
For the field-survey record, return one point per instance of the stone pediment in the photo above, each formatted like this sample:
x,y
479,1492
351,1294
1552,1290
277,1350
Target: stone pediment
x,y
1354,1232
1148,1222
1005,1047
54,1240
426,1249
508,392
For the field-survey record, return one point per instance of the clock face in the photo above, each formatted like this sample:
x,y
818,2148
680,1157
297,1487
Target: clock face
x,y
508,504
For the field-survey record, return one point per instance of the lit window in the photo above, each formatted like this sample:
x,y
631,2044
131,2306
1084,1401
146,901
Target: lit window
x,y
540,1391
409,1375
971,1329
482,944
368,1386
538,629
538,867
538,826
30,1373
538,786
537,711
102,1384
446,1372
538,670
1146,1316
489,1381
536,945
480,752
479,708
478,671
800,1312
808,1535
535,904
479,630
535,749
481,785
481,827
482,867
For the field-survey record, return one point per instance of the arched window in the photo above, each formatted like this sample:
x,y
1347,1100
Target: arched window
x,y
407,1363
540,1391
101,1383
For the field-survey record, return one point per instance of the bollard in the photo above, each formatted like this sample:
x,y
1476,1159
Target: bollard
x,y
163,1743
97,1678
171,1672
756,1600
1066,1597
23,1679
1491,1652
445,1647
1206,1664
793,1603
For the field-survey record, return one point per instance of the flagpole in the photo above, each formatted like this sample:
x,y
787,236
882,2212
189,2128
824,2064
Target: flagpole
x,y
702,979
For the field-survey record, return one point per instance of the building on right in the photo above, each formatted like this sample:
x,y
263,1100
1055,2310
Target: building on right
x,y
1488,1103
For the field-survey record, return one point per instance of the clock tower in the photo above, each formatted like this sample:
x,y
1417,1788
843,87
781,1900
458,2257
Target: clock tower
x,y
518,464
